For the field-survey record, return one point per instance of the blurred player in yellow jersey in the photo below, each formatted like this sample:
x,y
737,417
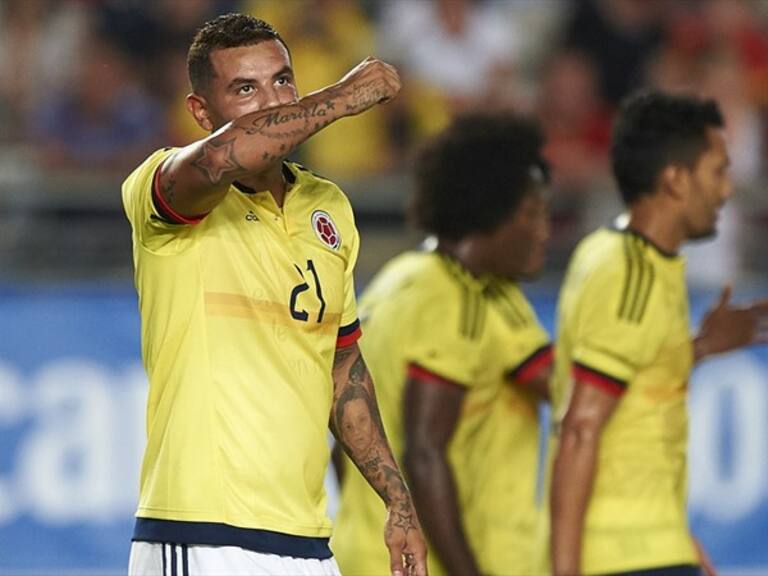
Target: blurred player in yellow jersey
x,y
459,358
624,350
244,269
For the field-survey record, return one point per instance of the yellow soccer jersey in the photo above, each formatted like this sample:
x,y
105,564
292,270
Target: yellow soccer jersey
x,y
241,315
623,326
424,314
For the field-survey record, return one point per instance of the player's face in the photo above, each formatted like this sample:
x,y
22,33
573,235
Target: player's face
x,y
357,426
710,187
519,245
248,79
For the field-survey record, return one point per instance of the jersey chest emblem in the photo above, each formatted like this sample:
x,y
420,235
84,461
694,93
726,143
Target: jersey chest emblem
x,y
325,229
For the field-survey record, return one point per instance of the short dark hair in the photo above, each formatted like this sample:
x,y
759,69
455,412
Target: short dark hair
x,y
654,130
474,174
226,31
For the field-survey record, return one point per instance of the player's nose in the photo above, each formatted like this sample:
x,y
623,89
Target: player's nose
x,y
271,98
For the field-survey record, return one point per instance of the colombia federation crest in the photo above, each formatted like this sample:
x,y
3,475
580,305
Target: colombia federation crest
x,y
325,229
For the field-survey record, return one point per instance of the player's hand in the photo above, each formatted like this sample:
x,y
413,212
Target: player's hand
x,y
727,327
369,83
402,535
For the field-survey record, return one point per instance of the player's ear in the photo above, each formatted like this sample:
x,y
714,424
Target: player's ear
x,y
675,181
198,107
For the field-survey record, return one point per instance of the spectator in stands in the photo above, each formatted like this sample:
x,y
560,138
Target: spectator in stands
x,y
619,35
106,120
39,42
456,55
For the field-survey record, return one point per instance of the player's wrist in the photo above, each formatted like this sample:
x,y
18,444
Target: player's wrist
x,y
701,347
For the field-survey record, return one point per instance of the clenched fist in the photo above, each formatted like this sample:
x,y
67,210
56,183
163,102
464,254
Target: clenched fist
x,y
369,83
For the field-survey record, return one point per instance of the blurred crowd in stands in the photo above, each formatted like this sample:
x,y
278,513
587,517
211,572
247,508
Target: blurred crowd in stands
x,y
95,85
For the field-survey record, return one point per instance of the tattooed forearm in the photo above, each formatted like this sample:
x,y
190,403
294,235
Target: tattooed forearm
x,y
288,123
217,159
358,371
342,354
365,94
370,466
358,428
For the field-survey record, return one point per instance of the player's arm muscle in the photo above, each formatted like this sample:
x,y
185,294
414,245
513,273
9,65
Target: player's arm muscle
x,y
431,415
574,472
196,178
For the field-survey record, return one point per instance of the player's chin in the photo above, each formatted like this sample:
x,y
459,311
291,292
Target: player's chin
x,y
532,271
704,232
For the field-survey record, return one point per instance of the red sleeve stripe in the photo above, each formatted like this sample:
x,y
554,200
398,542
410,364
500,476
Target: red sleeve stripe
x,y
164,209
529,368
416,372
348,335
594,377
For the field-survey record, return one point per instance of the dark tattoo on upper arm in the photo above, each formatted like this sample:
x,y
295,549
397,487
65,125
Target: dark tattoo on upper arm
x,y
167,189
216,159
358,427
358,371
341,355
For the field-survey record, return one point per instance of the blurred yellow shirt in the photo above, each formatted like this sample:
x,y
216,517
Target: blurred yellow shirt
x,y
623,325
424,310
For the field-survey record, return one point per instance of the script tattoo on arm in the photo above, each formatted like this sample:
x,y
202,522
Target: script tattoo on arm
x,y
357,425
294,122
365,94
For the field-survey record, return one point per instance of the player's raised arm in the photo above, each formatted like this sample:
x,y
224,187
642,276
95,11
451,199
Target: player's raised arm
x,y
356,423
257,120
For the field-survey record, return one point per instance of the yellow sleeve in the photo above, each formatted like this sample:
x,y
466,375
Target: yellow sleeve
x,y
349,327
618,329
530,347
349,322
151,229
444,336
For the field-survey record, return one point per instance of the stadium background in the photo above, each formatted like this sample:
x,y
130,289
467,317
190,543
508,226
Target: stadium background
x,y
89,87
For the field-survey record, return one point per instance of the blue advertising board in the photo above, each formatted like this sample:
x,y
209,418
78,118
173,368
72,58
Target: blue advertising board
x,y
72,395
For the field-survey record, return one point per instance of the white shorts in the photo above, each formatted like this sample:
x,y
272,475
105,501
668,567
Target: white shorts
x,y
155,559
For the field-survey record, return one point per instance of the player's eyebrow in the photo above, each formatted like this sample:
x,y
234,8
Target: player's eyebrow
x,y
283,71
240,80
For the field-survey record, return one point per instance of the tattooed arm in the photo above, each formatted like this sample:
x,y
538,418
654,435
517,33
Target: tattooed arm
x,y
356,423
195,179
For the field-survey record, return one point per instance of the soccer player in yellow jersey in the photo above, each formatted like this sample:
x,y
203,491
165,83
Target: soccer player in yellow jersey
x,y
244,267
624,352
459,357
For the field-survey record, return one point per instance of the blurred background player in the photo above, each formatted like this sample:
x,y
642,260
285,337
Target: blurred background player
x,y
459,358
624,350
244,272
